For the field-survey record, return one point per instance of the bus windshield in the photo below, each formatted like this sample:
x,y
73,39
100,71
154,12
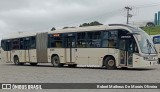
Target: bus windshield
x,y
145,43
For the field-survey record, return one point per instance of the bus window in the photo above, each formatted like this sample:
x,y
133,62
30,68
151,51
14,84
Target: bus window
x,y
94,39
81,43
122,44
105,43
51,43
8,45
21,43
26,43
105,39
81,40
15,44
109,39
112,41
58,42
33,43
3,45
55,41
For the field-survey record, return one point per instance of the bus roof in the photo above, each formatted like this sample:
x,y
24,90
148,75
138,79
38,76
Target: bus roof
x,y
18,35
77,29
89,28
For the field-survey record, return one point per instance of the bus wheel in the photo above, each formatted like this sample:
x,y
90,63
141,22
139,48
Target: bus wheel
x,y
55,61
16,60
110,63
33,64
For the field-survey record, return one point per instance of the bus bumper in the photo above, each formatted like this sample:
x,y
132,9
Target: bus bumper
x,y
139,61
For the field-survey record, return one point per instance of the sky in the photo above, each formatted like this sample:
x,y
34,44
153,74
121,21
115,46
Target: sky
x,y
42,15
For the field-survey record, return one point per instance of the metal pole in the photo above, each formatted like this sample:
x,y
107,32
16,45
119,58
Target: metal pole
x,y
128,15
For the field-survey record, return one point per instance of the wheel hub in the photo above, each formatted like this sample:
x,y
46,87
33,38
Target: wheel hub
x,y
111,62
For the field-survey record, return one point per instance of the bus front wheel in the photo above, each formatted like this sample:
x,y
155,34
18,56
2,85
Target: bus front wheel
x,y
56,61
110,63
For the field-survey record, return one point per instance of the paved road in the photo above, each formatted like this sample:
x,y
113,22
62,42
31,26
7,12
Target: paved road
x,y
10,73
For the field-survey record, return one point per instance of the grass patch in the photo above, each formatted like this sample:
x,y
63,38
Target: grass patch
x,y
152,30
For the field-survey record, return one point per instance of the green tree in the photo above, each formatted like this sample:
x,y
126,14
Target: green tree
x,y
53,29
68,27
90,24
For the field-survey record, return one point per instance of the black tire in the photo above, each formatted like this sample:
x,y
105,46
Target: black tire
x,y
73,65
21,63
33,64
56,61
110,63
16,61
124,68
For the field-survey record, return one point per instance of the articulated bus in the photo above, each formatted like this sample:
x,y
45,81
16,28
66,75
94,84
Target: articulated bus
x,y
156,41
111,46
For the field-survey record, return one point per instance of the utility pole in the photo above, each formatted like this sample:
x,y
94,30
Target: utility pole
x,y
128,14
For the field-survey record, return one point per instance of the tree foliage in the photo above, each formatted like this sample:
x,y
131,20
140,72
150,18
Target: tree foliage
x,y
90,24
53,29
68,27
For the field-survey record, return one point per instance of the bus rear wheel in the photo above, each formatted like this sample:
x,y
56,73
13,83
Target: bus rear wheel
x,y
56,61
16,61
110,63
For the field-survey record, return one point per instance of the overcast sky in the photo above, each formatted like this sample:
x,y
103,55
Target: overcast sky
x,y
42,15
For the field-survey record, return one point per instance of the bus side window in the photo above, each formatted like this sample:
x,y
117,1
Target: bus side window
x,y
21,43
51,43
109,38
55,41
58,42
81,40
3,45
105,39
15,44
33,43
8,45
112,41
122,45
94,39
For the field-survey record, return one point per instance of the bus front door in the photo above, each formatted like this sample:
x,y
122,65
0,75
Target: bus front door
x,y
26,47
126,52
70,49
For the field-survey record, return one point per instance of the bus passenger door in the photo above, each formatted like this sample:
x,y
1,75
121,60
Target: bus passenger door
x,y
126,51
70,49
130,48
26,48
122,47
